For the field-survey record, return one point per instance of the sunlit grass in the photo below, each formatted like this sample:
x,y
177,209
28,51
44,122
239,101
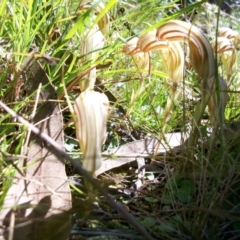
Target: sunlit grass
x,y
56,28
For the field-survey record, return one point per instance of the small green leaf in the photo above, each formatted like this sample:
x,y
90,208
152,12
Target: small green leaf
x,y
173,182
185,191
176,219
167,227
166,199
150,176
151,199
172,225
149,222
114,143
70,145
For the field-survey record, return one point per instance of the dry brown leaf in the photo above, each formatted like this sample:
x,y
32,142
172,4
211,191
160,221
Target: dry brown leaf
x,y
37,205
141,148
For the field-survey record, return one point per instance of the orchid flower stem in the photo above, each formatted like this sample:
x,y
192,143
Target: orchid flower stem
x,y
76,80
135,96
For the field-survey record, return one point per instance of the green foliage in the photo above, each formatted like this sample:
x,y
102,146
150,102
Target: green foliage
x,y
182,189
149,222
204,185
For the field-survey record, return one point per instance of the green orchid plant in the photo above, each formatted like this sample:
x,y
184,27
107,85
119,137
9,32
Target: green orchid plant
x,y
201,57
91,107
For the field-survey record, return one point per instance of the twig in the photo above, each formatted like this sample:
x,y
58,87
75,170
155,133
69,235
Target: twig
x,y
32,116
11,226
53,147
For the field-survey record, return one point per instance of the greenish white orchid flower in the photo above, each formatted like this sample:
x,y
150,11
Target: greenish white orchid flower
x,y
98,7
93,40
232,35
202,59
173,59
227,51
200,51
140,58
91,109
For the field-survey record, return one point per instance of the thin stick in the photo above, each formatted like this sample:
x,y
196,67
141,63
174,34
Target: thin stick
x,y
54,147
11,227
32,116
